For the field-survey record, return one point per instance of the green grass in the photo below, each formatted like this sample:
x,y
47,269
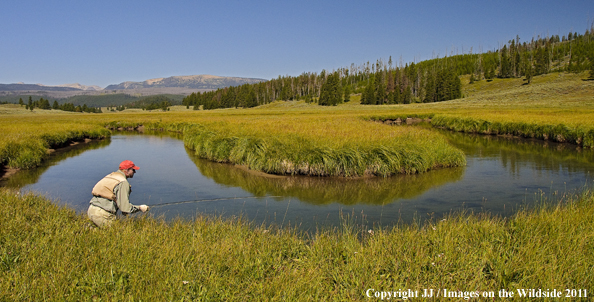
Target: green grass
x,y
301,138
25,142
50,253
583,136
291,153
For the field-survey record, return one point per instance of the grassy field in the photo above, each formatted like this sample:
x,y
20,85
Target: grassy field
x,y
50,253
337,140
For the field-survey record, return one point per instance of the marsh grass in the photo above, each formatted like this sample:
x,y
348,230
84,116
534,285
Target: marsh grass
x,y
24,144
582,136
301,138
339,148
50,253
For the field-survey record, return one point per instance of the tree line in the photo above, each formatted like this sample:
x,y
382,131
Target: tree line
x,y
45,105
433,80
147,103
152,102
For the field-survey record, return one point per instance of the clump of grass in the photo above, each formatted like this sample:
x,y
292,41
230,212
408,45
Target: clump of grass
x,y
410,151
49,252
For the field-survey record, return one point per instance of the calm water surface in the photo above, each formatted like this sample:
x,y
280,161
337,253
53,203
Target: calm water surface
x,y
502,175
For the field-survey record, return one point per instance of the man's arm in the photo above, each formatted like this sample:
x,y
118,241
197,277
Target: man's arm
x,y
122,191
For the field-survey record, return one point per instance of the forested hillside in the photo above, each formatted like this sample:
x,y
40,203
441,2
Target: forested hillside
x,y
432,80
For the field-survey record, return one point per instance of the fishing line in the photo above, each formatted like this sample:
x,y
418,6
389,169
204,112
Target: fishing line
x,y
216,199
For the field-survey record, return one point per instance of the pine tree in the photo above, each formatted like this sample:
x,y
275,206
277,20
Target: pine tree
x,y
528,71
331,93
430,88
370,98
505,70
347,93
407,97
380,89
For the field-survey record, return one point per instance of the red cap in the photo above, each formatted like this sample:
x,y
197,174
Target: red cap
x,y
127,164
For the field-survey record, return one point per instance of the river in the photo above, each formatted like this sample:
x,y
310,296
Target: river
x,y
502,175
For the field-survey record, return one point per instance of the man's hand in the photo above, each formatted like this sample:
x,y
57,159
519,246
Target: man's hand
x,y
143,208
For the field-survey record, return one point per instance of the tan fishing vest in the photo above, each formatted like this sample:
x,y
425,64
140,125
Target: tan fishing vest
x,y
104,188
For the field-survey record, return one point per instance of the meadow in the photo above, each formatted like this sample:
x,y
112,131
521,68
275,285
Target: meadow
x,y
300,138
51,253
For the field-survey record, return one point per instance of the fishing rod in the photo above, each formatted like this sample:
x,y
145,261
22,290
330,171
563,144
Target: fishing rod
x,y
203,200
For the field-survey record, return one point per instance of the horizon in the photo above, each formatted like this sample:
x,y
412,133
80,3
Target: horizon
x,y
107,43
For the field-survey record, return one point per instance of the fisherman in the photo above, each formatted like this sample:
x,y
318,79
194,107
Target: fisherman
x,y
112,193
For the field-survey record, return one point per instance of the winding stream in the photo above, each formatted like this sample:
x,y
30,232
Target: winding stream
x,y
502,175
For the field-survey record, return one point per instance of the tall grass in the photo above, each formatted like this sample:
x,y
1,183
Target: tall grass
x,y
50,253
24,144
338,152
556,106
583,136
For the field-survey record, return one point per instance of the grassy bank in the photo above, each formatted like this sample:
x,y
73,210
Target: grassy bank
x,y
301,138
50,253
311,142
25,142
582,136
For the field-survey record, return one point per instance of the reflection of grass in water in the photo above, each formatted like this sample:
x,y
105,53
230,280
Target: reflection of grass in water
x,y
516,151
559,132
26,177
324,190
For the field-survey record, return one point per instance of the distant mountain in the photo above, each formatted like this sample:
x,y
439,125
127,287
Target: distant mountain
x,y
34,87
82,87
176,85
192,82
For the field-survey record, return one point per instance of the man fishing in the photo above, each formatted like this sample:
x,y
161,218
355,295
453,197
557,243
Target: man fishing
x,y
112,193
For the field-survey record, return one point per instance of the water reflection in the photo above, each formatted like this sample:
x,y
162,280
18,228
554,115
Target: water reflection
x,y
326,190
501,175
26,177
516,153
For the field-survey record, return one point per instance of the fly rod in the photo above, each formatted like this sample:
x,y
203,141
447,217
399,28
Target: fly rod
x,y
203,200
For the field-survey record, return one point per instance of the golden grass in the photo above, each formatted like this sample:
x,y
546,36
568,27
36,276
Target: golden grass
x,y
552,99
50,253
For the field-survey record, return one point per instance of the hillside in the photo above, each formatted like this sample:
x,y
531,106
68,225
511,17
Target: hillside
x,y
194,82
176,85
34,87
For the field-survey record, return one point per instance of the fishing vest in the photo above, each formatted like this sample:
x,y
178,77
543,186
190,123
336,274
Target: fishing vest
x,y
104,188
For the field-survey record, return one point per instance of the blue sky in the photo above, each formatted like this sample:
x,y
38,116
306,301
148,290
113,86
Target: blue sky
x,y
108,42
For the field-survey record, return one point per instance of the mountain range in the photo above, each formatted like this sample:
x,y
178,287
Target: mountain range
x,y
194,82
182,83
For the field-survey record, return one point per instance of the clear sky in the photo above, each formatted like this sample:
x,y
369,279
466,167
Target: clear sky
x,y
108,42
